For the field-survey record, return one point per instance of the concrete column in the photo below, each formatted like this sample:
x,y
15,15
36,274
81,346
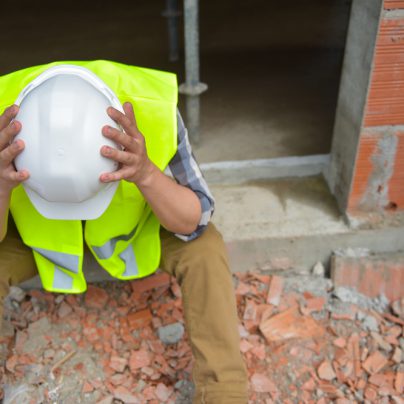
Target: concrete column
x,y
355,79
366,172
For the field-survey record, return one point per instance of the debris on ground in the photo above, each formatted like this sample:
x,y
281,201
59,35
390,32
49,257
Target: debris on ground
x,y
303,340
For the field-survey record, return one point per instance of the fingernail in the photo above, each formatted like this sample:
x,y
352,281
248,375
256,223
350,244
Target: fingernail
x,y
107,150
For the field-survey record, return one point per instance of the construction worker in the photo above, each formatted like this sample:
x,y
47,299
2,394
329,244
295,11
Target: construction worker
x,y
192,249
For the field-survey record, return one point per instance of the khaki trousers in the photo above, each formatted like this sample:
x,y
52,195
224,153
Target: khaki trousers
x,y
202,271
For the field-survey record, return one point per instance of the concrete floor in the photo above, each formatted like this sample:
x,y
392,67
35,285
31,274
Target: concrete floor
x,y
272,68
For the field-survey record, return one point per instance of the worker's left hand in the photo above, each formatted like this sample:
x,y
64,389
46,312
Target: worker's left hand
x,y
135,165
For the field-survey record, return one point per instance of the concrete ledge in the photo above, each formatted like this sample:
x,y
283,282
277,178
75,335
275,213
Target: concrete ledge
x,y
236,172
305,251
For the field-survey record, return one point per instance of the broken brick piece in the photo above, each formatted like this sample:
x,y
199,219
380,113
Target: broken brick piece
x,y
370,394
275,290
163,392
151,282
290,324
325,371
340,342
375,362
263,384
117,363
87,387
95,297
139,319
123,394
245,346
139,359
399,381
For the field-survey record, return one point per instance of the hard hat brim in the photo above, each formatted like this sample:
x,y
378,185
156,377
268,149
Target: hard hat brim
x,y
86,210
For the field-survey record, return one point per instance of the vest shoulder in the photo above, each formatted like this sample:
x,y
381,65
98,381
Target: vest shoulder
x,y
125,80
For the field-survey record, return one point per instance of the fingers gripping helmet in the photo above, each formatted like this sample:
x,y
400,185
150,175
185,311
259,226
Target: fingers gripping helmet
x,y
62,113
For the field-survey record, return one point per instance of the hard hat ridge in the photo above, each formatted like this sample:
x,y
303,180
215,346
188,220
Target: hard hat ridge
x,y
62,113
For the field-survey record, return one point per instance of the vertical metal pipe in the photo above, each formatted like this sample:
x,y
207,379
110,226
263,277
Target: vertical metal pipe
x,y
171,13
192,86
191,30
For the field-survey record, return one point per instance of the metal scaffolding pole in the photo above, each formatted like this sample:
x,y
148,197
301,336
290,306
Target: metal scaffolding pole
x,y
172,13
192,87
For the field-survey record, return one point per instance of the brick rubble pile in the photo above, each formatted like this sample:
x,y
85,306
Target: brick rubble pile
x,y
304,341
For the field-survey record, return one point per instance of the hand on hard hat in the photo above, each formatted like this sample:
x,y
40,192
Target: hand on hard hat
x,y
9,176
135,165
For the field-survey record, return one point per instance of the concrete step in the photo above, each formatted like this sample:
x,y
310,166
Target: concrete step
x,y
282,224
291,223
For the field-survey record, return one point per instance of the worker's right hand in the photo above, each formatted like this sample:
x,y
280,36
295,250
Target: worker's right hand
x,y
9,150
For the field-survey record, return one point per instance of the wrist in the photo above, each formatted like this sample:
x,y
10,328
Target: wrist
x,y
5,191
148,175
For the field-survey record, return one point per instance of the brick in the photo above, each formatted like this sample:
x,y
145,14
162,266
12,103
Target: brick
x,y
399,381
263,384
398,307
123,394
385,103
371,275
375,362
245,346
370,394
139,319
275,290
392,4
151,282
398,355
340,342
325,371
106,400
117,363
313,304
12,362
290,324
95,297
163,392
139,359
87,387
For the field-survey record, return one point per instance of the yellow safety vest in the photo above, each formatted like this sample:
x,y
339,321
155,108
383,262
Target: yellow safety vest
x,y
125,239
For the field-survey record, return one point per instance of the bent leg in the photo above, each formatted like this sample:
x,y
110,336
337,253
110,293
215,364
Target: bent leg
x,y
201,269
16,263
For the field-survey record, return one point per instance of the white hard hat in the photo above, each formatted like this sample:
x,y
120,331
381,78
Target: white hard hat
x,y
62,113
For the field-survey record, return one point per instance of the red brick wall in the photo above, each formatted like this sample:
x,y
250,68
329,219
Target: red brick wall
x,y
392,4
375,185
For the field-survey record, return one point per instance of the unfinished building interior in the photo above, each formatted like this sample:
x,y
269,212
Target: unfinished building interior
x,y
288,87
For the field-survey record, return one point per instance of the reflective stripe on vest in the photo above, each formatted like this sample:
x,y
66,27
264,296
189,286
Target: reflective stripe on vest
x,y
61,280
67,261
106,251
128,257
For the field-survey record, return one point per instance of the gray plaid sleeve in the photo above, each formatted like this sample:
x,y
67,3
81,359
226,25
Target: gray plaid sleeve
x,y
185,170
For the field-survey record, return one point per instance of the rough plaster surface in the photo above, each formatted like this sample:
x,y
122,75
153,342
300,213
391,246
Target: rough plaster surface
x,y
377,191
